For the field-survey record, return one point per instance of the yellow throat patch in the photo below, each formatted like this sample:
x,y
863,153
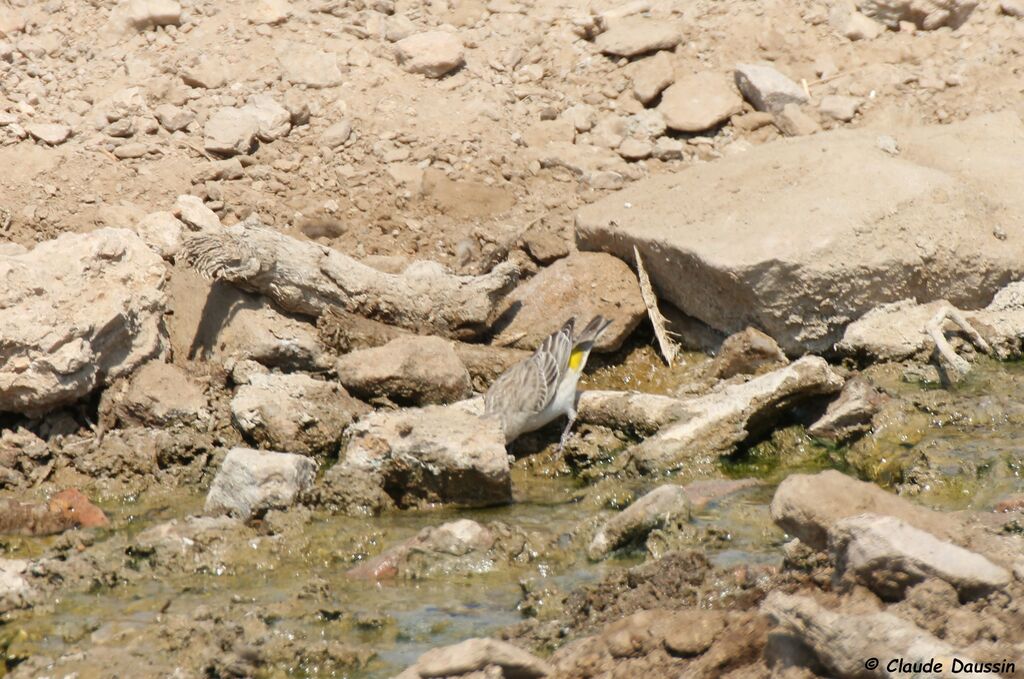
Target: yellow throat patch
x,y
575,359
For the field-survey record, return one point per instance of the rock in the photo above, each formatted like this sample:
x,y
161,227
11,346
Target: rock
x,y
544,246
294,412
842,641
926,14
549,131
160,394
1013,8
807,506
230,131
218,170
51,134
251,482
635,149
337,134
651,75
888,556
270,12
691,631
67,509
76,313
173,118
747,353
631,36
131,150
567,288
699,102
477,655
191,210
304,65
581,116
839,107
149,13
15,590
162,232
419,456
411,370
663,505
588,163
668,149
433,53
766,88
850,414
273,120
255,330
207,73
780,272
718,421
793,122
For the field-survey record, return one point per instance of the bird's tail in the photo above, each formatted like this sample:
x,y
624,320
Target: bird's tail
x,y
585,340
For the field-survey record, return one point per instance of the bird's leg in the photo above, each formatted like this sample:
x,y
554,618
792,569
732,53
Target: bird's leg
x,y
567,430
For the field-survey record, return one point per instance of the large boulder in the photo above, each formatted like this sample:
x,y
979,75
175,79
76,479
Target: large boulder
x,y
800,237
76,313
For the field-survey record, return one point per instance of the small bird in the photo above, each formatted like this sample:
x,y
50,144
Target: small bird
x,y
542,388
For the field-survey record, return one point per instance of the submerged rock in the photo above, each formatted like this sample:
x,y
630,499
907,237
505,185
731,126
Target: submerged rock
x,y
489,657
250,482
800,278
419,456
76,313
888,556
657,508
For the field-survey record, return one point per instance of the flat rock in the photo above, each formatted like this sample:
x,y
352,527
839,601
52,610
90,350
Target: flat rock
x,y
272,119
76,313
590,164
207,73
630,36
411,370
419,456
303,65
193,211
581,285
337,134
476,655
250,482
433,53
51,134
792,121
149,13
294,412
926,14
766,88
655,509
699,102
716,422
173,118
651,75
781,265
230,131
888,556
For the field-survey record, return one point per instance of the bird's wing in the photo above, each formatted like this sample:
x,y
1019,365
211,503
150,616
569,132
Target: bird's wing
x,y
530,386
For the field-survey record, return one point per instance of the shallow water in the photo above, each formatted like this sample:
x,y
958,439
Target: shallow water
x,y
972,437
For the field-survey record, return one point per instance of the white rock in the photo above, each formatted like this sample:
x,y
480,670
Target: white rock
x,y
888,556
699,102
207,73
230,131
148,13
273,120
250,482
162,232
652,75
337,134
173,118
76,313
766,88
191,210
474,656
657,508
433,54
839,107
49,133
1014,8
635,149
581,116
303,65
270,12
630,36
416,370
